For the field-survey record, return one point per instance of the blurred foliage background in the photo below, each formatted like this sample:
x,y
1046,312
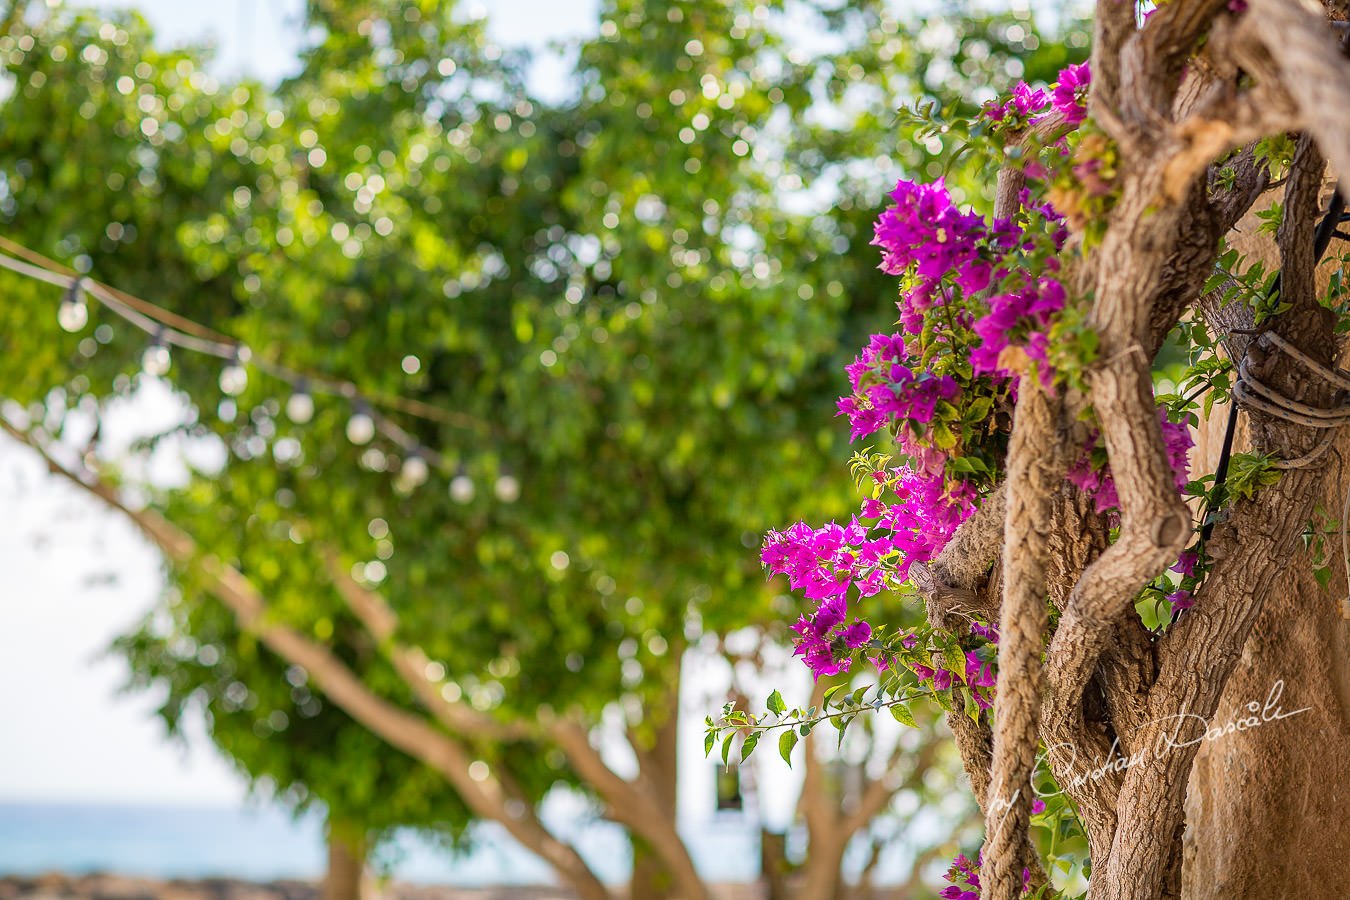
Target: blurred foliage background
x,y
628,311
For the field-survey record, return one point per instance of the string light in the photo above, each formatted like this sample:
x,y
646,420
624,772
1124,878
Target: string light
x,y
461,489
507,489
415,470
168,330
73,314
155,361
234,377
360,427
300,405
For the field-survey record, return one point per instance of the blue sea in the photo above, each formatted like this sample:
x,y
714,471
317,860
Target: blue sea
x,y
266,843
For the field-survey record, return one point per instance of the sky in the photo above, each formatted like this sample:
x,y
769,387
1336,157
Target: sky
x,y
77,576
260,37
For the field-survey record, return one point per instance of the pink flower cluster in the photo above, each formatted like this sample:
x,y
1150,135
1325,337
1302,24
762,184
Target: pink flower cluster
x,y
886,390
979,674
1018,108
1035,307
1099,485
1069,95
964,876
1185,566
926,233
824,563
988,632
924,517
825,632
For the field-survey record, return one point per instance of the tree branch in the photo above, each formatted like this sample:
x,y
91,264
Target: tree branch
x,y
1311,66
402,729
632,804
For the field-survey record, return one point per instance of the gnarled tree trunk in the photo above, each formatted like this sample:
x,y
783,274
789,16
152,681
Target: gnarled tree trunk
x,y
658,760
1257,793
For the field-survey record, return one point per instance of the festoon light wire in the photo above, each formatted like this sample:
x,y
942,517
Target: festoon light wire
x,y
174,330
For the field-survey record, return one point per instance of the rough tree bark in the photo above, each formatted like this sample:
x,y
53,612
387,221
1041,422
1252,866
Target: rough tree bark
x,y
1292,782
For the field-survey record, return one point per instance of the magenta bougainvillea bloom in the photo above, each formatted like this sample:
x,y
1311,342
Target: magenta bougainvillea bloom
x,y
1098,484
825,563
1186,562
1035,306
942,678
1069,95
988,632
1181,600
927,234
820,634
995,289
887,391
964,876
978,672
1019,107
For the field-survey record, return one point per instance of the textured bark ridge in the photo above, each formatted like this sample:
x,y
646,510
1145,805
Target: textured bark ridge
x,y
1265,806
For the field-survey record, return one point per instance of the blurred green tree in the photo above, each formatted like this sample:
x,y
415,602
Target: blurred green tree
x,y
587,329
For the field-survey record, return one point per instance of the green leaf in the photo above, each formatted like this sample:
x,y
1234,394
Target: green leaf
x,y
842,724
972,708
943,439
979,409
900,712
775,703
785,745
961,464
709,740
748,746
726,747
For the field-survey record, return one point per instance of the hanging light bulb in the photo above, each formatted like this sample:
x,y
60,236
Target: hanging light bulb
x,y
415,469
461,489
300,406
507,489
155,360
73,315
234,377
360,427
